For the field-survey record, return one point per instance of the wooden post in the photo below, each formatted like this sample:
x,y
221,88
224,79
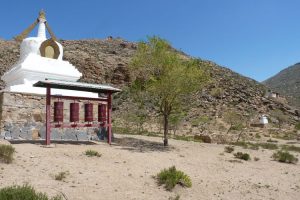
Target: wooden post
x,y
48,114
109,126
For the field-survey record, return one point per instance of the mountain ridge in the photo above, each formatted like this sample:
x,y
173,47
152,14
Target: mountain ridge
x,y
287,83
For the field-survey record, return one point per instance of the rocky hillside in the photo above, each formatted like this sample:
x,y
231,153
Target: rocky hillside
x,y
106,61
287,82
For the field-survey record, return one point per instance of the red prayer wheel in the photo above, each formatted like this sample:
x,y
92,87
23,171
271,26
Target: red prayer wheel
x,y
88,112
102,113
74,112
58,111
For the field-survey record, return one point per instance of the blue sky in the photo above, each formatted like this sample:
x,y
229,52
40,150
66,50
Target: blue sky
x,y
256,38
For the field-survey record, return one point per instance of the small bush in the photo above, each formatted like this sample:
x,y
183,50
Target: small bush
x,y
237,127
285,157
24,192
291,148
268,146
247,145
170,177
256,159
243,156
241,144
229,149
6,153
257,136
297,126
92,153
183,137
61,176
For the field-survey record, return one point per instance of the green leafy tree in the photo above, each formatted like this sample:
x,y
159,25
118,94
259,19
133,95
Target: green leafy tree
x,y
201,123
165,76
234,120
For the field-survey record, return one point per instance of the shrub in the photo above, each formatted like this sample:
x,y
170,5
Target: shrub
x,y
247,145
170,177
243,156
291,148
285,157
237,127
6,153
257,136
268,146
92,153
61,176
297,126
24,192
241,144
229,149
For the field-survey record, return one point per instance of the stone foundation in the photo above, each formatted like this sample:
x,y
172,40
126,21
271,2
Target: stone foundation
x,y
23,116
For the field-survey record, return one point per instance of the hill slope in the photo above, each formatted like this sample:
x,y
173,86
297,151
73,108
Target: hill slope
x,y
287,82
106,61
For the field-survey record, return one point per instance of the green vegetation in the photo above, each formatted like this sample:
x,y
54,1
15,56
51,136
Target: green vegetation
x,y
291,148
133,131
234,120
287,136
280,117
201,123
6,153
255,146
285,157
242,156
24,192
246,145
175,120
164,78
268,146
229,149
183,137
61,176
297,126
170,177
92,153
257,136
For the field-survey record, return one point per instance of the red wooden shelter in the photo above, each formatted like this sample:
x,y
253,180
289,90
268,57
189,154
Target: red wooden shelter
x,y
104,106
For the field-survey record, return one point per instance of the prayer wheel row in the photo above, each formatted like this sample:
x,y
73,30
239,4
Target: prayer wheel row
x,y
74,112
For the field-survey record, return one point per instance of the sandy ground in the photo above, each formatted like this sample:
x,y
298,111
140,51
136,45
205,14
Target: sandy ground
x,y
126,168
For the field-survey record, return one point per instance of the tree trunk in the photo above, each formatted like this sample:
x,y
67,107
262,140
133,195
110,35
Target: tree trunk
x,y
240,135
166,127
229,129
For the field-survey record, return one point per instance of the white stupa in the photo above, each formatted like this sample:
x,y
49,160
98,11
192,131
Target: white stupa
x,y
40,59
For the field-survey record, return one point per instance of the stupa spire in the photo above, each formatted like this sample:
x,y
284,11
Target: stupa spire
x,y
42,26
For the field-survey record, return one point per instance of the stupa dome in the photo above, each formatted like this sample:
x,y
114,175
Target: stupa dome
x,y
32,45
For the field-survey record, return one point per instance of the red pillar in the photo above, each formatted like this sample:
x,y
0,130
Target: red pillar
x,y
48,115
109,126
